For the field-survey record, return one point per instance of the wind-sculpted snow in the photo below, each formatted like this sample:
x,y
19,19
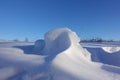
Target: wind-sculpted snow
x,y
58,40
39,45
111,49
74,62
58,57
105,56
61,40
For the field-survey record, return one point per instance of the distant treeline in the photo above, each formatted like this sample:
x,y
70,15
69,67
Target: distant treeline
x,y
17,40
97,40
84,40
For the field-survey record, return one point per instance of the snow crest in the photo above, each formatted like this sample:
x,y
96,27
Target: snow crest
x,y
61,40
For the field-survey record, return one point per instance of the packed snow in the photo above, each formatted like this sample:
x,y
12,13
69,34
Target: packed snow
x,y
60,56
111,49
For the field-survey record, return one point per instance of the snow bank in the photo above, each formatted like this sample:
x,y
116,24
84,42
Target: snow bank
x,y
39,45
111,49
5,73
63,59
63,39
105,55
69,61
56,41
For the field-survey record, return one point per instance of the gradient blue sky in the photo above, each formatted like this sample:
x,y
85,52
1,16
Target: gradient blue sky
x,y
33,18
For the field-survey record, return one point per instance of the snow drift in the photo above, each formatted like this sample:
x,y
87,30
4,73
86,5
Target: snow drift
x,y
111,49
68,60
61,40
106,55
58,57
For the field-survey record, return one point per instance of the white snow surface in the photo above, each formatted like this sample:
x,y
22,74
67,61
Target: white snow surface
x,y
111,49
59,56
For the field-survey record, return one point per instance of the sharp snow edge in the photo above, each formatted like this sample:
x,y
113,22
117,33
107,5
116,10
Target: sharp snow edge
x,y
60,40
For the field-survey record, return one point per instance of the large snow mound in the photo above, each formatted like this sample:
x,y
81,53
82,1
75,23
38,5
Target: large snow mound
x,y
62,39
59,39
58,57
68,60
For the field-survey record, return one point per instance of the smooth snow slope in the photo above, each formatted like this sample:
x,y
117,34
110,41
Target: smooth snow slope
x,y
15,64
58,57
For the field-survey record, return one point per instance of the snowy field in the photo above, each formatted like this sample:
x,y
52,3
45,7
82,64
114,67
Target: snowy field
x,y
59,57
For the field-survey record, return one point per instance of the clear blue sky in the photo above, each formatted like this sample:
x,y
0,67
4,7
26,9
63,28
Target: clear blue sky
x,y
33,18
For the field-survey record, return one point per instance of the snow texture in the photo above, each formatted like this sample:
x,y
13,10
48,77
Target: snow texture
x,y
59,57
